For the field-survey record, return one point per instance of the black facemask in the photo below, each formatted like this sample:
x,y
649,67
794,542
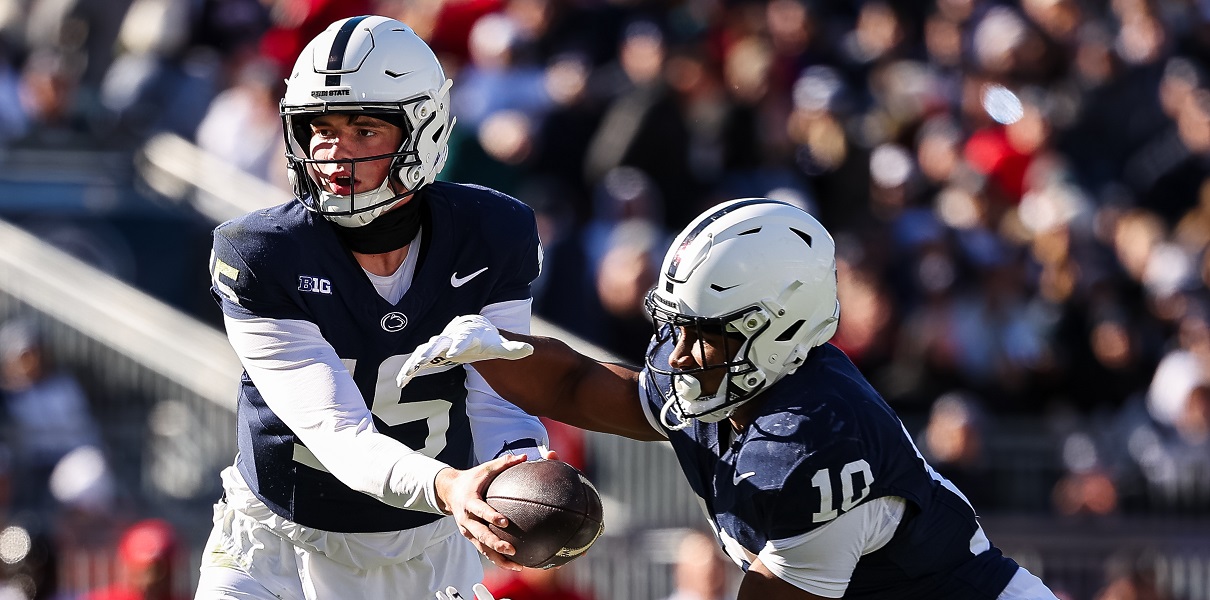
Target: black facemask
x,y
391,230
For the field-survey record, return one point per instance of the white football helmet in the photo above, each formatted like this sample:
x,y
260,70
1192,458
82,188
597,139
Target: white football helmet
x,y
376,66
760,270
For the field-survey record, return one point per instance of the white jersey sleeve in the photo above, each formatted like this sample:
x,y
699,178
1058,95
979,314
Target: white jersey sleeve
x,y
306,385
822,560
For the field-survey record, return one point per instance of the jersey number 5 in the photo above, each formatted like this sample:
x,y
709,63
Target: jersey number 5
x,y
850,495
388,408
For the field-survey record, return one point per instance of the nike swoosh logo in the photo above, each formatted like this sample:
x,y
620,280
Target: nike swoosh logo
x,y
736,478
457,281
395,75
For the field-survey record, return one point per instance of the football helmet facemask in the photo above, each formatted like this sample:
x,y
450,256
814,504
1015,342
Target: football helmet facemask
x,y
761,273
378,67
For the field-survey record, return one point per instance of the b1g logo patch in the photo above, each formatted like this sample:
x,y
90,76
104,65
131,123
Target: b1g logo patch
x,y
315,285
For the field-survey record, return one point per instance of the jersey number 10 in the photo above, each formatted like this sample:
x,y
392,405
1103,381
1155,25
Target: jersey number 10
x,y
850,494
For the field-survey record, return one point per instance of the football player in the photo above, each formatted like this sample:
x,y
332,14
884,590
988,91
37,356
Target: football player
x,y
811,483
344,486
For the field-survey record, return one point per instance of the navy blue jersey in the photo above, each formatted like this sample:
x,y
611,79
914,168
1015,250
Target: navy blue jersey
x,y
479,247
822,443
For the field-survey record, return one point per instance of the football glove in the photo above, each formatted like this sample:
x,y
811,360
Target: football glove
x,y
481,593
466,339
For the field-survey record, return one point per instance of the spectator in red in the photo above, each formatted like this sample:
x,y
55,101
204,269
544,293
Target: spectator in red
x,y
535,584
295,22
147,554
1005,150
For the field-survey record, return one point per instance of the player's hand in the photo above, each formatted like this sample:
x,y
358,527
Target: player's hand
x,y
462,493
469,338
532,453
481,593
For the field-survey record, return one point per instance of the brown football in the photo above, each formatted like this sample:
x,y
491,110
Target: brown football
x,y
554,513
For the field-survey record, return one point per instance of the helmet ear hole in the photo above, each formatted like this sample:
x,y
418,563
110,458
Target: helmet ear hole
x,y
789,333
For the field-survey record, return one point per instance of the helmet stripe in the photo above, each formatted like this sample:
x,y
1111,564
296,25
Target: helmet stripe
x,y
716,215
336,55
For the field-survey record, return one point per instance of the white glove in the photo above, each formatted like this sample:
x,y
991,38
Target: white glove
x,y
467,339
481,593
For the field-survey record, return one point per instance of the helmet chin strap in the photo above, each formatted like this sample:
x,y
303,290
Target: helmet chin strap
x,y
383,194
665,411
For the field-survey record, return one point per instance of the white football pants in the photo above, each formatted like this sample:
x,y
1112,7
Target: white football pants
x,y
254,554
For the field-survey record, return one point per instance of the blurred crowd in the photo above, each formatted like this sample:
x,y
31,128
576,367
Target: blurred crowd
x,y
67,531
1019,190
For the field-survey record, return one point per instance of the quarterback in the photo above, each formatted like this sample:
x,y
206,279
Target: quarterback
x,y
345,486
810,482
